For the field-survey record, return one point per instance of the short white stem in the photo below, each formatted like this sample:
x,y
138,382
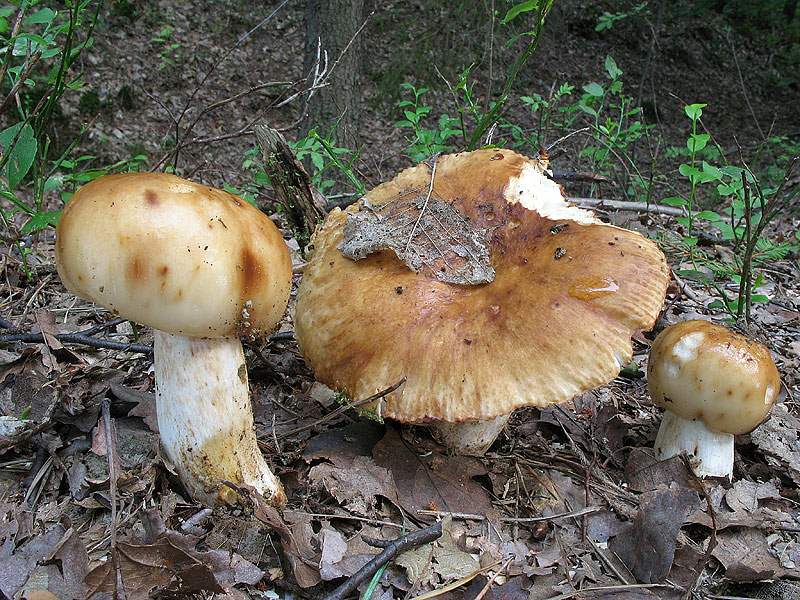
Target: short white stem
x,y
205,418
470,437
710,453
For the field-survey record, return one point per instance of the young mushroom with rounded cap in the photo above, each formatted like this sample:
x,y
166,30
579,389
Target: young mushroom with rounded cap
x,y
202,267
562,295
713,384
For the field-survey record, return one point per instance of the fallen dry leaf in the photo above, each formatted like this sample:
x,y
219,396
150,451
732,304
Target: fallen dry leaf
x,y
299,548
170,564
348,556
357,485
644,472
439,561
647,546
779,439
744,552
446,482
56,556
428,234
745,495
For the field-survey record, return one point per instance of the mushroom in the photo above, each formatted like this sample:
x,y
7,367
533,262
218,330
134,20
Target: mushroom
x,y
568,293
713,384
202,267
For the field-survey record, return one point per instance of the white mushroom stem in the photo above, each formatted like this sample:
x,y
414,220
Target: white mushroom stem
x,y
710,453
205,418
470,437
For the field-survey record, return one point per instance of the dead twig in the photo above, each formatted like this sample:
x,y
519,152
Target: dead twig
x,y
497,573
345,407
85,338
392,549
472,517
105,409
642,207
617,588
77,338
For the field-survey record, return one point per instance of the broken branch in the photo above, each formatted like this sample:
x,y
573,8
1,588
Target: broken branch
x,y
423,536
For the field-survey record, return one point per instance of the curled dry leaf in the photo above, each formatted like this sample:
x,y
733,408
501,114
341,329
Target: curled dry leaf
x,y
56,556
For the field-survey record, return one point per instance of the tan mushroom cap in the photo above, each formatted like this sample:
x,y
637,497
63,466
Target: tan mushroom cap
x,y
700,370
557,320
181,257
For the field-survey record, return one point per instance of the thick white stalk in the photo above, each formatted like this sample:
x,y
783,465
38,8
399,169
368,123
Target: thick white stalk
x,y
710,453
471,437
205,418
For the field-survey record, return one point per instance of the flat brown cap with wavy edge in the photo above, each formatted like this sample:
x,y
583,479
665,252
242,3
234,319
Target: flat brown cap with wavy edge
x,y
568,294
181,257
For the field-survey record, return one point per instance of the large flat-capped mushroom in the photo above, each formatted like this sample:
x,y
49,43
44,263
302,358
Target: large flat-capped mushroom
x,y
202,267
556,320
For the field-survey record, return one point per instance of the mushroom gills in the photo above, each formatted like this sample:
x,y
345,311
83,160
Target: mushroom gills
x,y
710,453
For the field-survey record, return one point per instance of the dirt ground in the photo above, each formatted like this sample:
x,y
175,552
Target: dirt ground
x,y
568,503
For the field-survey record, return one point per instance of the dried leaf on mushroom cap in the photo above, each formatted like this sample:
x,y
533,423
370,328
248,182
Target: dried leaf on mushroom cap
x,y
426,234
568,293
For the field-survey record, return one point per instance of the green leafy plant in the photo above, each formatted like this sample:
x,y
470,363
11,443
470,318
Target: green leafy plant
x,y
607,19
487,119
37,54
751,208
324,155
169,50
615,125
371,413
550,114
426,142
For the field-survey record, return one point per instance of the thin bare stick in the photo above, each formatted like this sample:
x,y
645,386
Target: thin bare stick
x,y
424,204
497,573
616,588
564,138
105,405
23,76
347,406
77,338
473,517
423,536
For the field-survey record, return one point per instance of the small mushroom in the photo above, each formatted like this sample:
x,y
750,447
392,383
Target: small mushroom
x,y
548,327
202,267
713,384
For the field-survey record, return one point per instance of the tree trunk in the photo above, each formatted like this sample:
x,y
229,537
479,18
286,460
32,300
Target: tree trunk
x,y
330,26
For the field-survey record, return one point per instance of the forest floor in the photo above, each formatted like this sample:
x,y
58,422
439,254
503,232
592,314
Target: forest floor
x,y
544,514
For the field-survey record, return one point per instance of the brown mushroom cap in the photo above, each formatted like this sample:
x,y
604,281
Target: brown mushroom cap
x,y
557,319
700,370
181,257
